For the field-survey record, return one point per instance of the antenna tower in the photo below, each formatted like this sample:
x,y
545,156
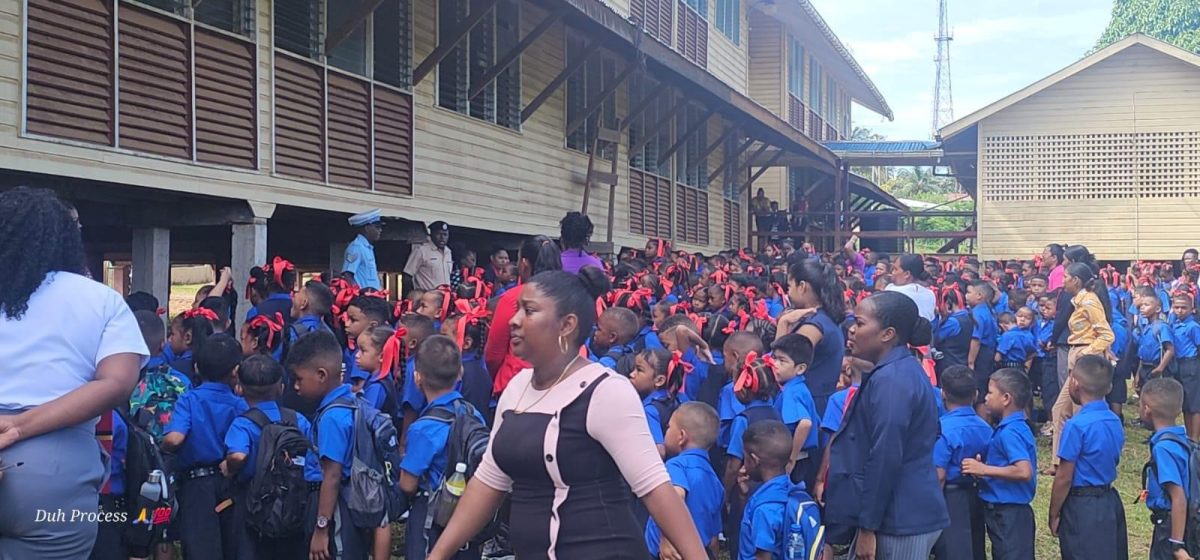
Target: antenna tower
x,y
943,98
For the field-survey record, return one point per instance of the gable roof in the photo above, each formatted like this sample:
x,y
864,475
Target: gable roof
x,y
1086,62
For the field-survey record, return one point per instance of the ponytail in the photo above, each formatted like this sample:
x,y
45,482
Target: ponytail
x,y
199,323
823,279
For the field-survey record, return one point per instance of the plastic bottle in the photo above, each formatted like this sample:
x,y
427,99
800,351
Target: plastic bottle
x,y
447,500
458,481
796,549
153,489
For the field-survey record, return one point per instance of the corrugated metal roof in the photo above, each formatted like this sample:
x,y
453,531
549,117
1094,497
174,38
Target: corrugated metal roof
x,y
886,146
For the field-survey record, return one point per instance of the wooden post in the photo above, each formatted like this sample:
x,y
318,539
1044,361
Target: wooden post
x,y
567,71
479,9
598,103
249,250
511,56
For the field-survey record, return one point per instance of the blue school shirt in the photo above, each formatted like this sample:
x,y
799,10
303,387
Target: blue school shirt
x,y
832,420
1093,439
1001,304
739,426
120,445
985,330
964,435
775,307
244,434
307,324
476,383
425,451
691,471
646,338
762,521
728,407
203,415
652,416
275,303
694,379
1016,345
1171,466
350,363
1011,443
375,392
181,362
333,435
949,328
794,404
1186,334
161,360
412,397
1153,338
1042,331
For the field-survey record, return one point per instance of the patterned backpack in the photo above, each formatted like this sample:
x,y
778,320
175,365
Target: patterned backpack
x,y
154,398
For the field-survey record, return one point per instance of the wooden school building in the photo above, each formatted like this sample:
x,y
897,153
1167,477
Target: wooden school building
x,y
1105,152
218,131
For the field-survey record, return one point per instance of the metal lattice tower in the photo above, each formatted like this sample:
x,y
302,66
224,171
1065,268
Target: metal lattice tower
x,y
943,98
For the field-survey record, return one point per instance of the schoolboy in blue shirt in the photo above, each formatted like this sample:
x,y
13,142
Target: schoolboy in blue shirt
x,y
438,369
768,446
1156,344
310,306
981,356
363,314
690,432
1008,475
206,524
1186,333
260,382
963,435
316,361
1085,511
616,329
412,400
792,354
1167,476
1016,345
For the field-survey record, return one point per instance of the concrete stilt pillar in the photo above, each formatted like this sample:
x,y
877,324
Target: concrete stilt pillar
x,y
152,263
249,250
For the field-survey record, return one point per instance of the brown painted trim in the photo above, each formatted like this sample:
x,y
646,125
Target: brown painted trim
x,y
652,131
732,158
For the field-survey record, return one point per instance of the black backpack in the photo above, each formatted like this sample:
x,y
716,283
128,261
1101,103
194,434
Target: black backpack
x,y
665,407
374,491
147,520
467,444
1191,533
277,497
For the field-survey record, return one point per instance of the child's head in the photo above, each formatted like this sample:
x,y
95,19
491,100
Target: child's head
x,y
419,328
439,365
700,300
1090,379
1048,305
217,361
1037,284
670,339
1007,321
370,345
767,448
316,361
469,329
793,353
739,345
1182,305
952,298
1161,402
656,369
364,313
980,292
259,378
142,301
1025,318
958,386
191,329
739,303
716,297
262,335
756,381
694,425
1008,391
314,299
434,304
715,330
1149,306
153,330
616,326
660,312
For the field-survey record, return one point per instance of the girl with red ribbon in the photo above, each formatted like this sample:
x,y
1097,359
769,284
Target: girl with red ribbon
x,y
658,377
270,289
378,353
468,326
189,331
263,335
755,387
435,304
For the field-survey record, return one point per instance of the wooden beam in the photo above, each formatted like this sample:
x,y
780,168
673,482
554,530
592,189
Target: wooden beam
x,y
732,158
511,56
347,27
558,80
651,131
686,136
598,102
713,147
479,9
642,105
759,173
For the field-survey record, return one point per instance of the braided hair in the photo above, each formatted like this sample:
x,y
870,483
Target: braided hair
x,y
37,236
756,380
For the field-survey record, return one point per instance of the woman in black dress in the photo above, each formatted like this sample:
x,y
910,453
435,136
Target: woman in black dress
x,y
570,443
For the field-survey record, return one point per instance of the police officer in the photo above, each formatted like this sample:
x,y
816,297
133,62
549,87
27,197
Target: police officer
x,y
359,263
431,262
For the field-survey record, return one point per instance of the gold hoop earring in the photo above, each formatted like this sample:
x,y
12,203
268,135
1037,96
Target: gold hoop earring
x,y
562,344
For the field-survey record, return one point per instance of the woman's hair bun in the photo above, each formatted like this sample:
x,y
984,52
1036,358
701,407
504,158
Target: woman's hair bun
x,y
594,281
922,333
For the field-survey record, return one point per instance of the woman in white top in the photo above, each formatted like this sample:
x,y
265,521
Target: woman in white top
x,y
70,350
907,273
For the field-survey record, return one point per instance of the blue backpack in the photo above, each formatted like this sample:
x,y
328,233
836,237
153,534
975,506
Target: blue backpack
x,y
803,534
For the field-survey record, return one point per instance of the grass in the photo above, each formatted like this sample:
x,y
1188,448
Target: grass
x,y
181,298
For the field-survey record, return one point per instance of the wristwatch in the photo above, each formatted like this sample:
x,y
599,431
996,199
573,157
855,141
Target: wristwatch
x,y
1177,546
322,522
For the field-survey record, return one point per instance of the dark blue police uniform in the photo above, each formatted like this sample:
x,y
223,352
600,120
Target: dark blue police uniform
x,y
203,415
1092,525
1007,513
964,436
705,496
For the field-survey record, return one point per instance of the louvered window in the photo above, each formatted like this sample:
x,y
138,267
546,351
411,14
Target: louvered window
x,y
691,38
378,47
70,70
689,169
814,86
729,19
647,157
733,224
350,52
656,17
235,16
795,76
298,27
474,56
649,204
691,210
583,92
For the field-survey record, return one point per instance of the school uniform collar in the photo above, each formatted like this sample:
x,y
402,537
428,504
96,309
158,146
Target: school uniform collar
x,y
780,483
962,412
215,386
1094,406
1018,416
1183,321
444,400
279,297
361,238
959,313
268,406
894,355
338,392
758,403
657,395
694,453
472,357
798,380
310,320
1162,433
155,361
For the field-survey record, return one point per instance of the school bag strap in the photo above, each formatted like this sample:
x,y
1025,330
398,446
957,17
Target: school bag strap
x,y
1152,466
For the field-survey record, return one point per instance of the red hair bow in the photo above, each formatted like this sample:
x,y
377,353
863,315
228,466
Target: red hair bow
x,y
601,306
698,320
482,289
160,311
471,315
277,267
661,247
250,286
201,312
447,299
677,364
720,276
760,310
273,327
746,379
342,299
393,353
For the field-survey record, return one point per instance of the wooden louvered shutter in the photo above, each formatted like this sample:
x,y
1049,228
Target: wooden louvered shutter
x,y
637,215
155,84
69,70
349,131
666,20
226,126
681,213
702,217
393,141
692,35
663,190
299,119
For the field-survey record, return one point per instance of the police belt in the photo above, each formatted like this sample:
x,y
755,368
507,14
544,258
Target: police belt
x,y
201,472
1089,491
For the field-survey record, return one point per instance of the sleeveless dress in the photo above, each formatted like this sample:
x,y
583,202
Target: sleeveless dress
x,y
570,463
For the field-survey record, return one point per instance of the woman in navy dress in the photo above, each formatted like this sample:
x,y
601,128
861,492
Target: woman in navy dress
x,y
816,295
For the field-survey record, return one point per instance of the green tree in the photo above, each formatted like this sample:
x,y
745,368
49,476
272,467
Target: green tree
x,y
1173,21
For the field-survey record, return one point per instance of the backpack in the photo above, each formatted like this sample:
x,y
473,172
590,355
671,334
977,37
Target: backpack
x,y
1191,537
467,444
803,534
374,491
277,497
665,407
154,399
147,520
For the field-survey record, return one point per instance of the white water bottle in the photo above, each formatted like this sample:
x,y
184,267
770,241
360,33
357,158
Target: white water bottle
x,y
154,489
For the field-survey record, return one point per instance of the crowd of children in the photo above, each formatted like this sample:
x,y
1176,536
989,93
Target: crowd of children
x,y
732,356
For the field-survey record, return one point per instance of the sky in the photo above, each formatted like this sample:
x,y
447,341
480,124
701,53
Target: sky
x,y
999,47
